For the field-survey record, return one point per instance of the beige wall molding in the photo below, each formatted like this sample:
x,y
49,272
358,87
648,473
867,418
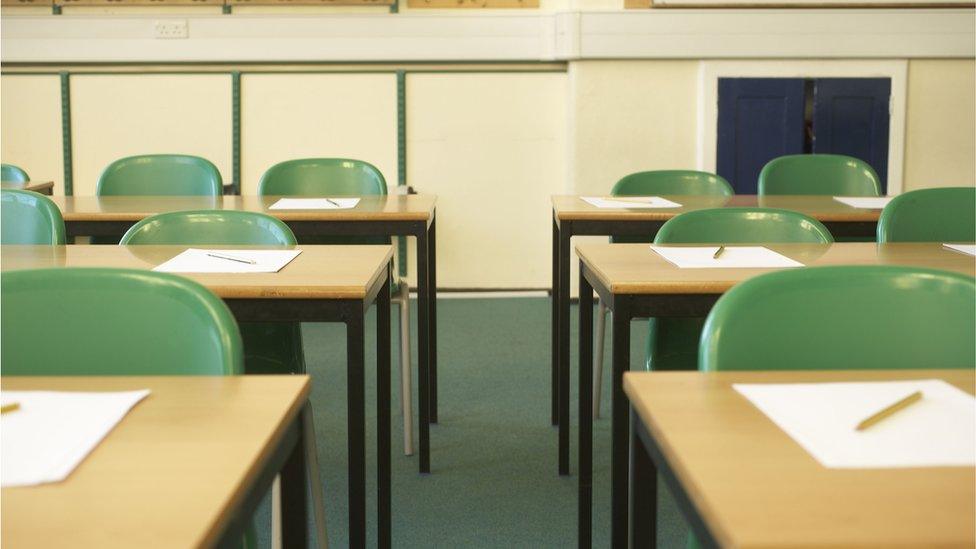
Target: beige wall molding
x,y
481,35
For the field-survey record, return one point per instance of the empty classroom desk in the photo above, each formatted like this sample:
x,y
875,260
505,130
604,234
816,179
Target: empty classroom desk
x,y
389,215
151,481
322,284
635,282
741,481
572,216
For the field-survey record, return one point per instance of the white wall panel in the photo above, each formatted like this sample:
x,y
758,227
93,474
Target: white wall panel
x,y
30,126
493,148
121,115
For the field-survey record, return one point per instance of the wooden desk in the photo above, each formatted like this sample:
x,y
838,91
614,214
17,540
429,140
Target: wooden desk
x,y
573,216
742,482
635,282
42,187
186,467
322,284
391,215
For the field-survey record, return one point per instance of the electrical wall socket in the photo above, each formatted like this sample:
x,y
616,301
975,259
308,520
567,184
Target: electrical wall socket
x,y
171,28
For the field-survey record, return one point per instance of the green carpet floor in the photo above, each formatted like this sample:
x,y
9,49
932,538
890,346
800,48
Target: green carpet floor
x,y
493,457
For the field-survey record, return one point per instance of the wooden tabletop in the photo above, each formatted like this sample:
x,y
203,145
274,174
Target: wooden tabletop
x,y
169,475
319,272
414,207
756,487
820,207
635,269
43,187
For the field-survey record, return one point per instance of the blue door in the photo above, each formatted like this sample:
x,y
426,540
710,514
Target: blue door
x,y
758,120
851,116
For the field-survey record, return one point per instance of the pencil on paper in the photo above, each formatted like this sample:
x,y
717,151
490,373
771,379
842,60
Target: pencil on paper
x,y
334,203
888,411
237,259
718,252
12,407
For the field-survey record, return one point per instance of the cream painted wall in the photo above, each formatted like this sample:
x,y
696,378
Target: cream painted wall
x,y
286,116
493,148
30,126
940,146
121,115
629,116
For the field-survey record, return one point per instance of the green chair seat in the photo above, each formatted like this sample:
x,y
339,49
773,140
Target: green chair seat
x,y
269,347
840,318
160,175
13,174
830,174
672,343
29,218
930,215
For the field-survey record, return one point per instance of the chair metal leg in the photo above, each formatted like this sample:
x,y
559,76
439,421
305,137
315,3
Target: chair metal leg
x,y
601,320
406,370
276,513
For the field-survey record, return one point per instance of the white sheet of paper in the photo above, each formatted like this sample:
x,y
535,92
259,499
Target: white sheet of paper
x,y
821,417
969,249
628,202
700,257
52,432
314,204
195,260
865,202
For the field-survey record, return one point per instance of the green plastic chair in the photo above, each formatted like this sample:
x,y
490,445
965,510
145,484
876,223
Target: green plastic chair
x,y
816,319
347,177
647,183
830,174
29,218
160,175
269,347
114,322
672,343
930,215
13,174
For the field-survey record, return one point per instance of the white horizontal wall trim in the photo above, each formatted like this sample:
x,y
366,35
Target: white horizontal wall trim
x,y
565,36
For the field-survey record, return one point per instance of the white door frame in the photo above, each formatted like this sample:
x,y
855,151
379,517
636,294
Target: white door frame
x,y
895,69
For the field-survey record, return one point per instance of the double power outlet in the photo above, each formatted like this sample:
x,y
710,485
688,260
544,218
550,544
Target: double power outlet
x,y
170,29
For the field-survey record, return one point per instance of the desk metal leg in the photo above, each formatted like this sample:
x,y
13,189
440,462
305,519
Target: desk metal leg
x,y
643,490
619,428
383,412
312,463
564,238
423,340
554,352
294,506
432,318
356,410
585,511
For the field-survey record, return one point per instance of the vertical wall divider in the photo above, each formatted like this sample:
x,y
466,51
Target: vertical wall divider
x,y
66,132
401,80
235,78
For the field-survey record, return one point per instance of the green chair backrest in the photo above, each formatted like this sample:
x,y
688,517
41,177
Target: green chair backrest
x,y
742,226
930,215
841,318
13,174
29,218
75,321
210,227
830,174
160,175
322,176
672,343
658,182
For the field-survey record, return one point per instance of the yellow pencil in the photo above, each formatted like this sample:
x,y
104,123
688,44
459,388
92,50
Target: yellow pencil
x,y
890,410
9,407
718,252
